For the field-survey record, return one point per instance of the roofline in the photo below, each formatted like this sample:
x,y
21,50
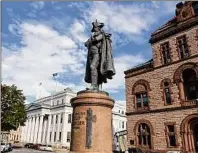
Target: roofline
x,y
147,64
174,29
53,95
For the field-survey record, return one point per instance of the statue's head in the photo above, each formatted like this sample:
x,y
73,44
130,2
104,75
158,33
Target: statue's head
x,y
96,26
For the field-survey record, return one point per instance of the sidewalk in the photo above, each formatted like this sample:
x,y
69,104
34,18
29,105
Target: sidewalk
x,y
56,150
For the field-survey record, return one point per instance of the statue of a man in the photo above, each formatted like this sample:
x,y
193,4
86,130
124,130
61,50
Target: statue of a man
x,y
100,65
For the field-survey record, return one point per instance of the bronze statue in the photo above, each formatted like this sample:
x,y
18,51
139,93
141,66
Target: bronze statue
x,y
100,65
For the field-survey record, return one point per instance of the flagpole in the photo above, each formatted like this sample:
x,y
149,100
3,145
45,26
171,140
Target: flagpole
x,y
56,83
54,74
40,90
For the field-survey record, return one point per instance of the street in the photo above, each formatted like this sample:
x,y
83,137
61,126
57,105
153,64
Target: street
x,y
27,150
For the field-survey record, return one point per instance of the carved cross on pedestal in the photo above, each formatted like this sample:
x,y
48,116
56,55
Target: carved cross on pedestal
x,y
90,118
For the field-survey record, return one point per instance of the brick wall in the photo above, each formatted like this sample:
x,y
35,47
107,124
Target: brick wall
x,y
191,36
154,78
157,121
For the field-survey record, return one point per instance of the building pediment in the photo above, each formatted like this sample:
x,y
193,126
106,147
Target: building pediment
x,y
34,106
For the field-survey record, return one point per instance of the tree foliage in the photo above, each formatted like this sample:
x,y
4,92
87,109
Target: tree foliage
x,y
13,111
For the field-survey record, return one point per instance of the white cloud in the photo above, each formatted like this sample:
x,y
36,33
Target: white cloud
x,y
44,52
122,63
127,19
58,44
130,21
38,5
78,31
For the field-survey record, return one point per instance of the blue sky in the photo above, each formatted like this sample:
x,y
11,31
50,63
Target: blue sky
x,y
42,38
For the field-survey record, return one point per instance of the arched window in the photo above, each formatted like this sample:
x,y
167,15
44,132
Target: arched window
x,y
190,82
140,91
144,135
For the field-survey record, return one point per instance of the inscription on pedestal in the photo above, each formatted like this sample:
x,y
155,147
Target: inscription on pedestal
x,y
78,120
90,118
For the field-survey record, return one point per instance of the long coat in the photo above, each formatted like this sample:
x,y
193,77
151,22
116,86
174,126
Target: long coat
x,y
106,67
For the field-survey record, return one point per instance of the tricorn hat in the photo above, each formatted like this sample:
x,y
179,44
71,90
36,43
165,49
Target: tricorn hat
x,y
96,24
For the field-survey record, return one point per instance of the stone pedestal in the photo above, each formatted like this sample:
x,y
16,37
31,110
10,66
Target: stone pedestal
x,y
91,122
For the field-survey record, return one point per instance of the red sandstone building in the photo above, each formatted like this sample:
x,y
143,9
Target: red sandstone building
x,y
162,94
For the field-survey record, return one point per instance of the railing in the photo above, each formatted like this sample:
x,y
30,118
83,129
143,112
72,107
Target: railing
x,y
190,102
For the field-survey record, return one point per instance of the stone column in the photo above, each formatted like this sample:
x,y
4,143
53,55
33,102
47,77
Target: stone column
x,y
64,131
22,132
91,122
36,130
27,130
34,125
40,129
58,128
48,128
44,131
181,91
31,129
53,127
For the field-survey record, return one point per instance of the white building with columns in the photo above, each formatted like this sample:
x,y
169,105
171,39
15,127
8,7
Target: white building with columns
x,y
49,120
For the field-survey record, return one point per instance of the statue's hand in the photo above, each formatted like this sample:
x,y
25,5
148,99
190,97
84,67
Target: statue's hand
x,y
87,43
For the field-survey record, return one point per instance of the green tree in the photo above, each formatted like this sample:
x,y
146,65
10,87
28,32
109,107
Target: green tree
x,y
13,111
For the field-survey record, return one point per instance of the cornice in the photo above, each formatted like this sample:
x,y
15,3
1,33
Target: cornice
x,y
175,28
128,75
162,110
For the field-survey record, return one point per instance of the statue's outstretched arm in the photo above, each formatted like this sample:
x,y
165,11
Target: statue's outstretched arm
x,y
98,38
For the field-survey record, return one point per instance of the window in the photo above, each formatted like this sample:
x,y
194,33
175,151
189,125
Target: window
x,y
56,119
195,7
52,119
57,102
142,100
62,101
60,137
123,124
140,90
170,129
68,136
54,136
69,118
122,112
165,53
190,84
167,93
61,120
183,47
144,138
50,136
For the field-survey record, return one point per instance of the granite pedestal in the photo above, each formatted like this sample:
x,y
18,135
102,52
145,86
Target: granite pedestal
x,y
91,122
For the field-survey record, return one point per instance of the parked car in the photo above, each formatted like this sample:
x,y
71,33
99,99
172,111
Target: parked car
x,y
4,147
36,146
10,147
17,144
29,145
46,147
